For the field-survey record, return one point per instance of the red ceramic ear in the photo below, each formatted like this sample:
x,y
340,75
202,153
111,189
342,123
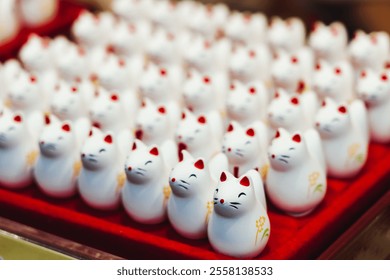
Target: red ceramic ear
x,y
202,120
337,71
250,132
110,49
318,66
276,94
252,54
232,86
154,151
161,110
384,77
81,51
294,59
342,109
108,139
18,118
121,63
132,28
206,80
363,74
323,103
199,164
90,133
294,101
230,128
183,116
252,90
206,44
114,97
314,27
33,79
297,138
374,39
245,182
334,31
301,86
66,127
134,146
223,177
277,134
74,89
163,72
47,120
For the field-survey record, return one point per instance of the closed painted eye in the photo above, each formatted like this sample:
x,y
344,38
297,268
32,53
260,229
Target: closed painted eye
x,y
247,142
241,194
193,175
149,161
102,150
291,149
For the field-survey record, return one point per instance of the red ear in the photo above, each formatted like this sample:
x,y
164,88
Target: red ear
x,y
163,72
18,118
134,146
318,66
33,79
66,127
342,109
245,181
114,97
154,151
301,86
90,133
223,177
132,28
207,44
183,116
384,77
81,51
363,74
252,90
323,103
230,128
121,62
47,119
199,164
277,134
206,80
202,120
276,94
337,71
250,132
74,89
108,139
294,59
334,31
297,138
374,39
232,86
161,109
252,54
294,101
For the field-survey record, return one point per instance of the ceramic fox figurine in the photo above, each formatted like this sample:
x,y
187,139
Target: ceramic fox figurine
x,y
239,203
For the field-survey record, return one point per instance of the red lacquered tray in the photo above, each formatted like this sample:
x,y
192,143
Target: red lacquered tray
x,y
67,13
291,238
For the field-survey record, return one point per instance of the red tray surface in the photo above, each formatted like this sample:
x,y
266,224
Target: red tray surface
x,y
291,238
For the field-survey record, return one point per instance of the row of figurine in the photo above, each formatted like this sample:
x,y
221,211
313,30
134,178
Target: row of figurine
x,y
30,13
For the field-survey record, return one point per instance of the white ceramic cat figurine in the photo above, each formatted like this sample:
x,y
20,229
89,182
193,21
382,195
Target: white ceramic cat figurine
x,y
329,42
146,192
9,21
130,10
239,203
344,134
374,89
190,205
288,35
369,50
249,64
101,177
296,181
73,65
58,164
38,12
334,80
154,127
245,149
246,29
247,103
58,46
293,72
18,151
195,135
292,112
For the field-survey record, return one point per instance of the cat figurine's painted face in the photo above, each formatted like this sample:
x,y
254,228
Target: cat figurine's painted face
x,y
25,93
162,48
233,197
284,110
143,164
106,111
152,122
286,70
240,27
56,139
329,80
332,119
373,88
199,93
87,29
363,49
35,54
72,64
243,63
156,84
240,145
12,130
189,176
326,41
115,74
99,151
67,103
126,40
286,34
243,102
193,133
287,150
